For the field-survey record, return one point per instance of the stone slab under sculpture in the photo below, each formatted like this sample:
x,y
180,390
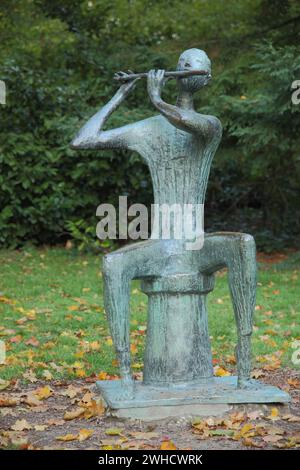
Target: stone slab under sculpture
x,y
178,146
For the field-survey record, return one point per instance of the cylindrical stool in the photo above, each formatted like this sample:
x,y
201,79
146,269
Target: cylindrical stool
x,y
177,345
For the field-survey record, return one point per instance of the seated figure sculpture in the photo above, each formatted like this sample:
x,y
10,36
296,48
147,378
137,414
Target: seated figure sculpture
x,y
178,145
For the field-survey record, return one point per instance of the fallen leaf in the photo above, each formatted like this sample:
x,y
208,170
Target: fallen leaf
x,y
257,373
251,443
253,415
80,373
220,371
67,437
291,418
6,401
114,431
245,431
71,391
73,414
221,432
43,393
40,427
85,434
31,399
96,408
21,425
102,376
32,342
168,445
20,442
15,339
56,422
274,415
4,384
294,383
144,435
47,374
30,376
272,438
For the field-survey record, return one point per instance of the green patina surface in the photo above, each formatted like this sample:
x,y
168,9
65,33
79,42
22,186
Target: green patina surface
x,y
178,146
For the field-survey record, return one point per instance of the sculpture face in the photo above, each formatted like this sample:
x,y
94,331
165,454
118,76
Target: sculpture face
x,y
193,59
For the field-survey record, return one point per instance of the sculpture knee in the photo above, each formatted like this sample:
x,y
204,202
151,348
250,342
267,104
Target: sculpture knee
x,y
247,243
242,251
115,269
111,269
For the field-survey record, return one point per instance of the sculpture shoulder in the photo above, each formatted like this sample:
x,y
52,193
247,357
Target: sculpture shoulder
x,y
141,130
214,126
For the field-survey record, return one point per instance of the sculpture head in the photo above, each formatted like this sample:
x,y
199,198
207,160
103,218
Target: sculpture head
x,y
193,59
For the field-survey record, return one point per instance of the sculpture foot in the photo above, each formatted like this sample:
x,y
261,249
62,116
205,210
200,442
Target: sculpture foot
x,y
127,389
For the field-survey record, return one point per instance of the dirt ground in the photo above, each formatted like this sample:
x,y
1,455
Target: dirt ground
x,y
68,415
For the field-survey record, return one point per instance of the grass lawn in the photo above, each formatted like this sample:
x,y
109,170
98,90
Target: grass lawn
x,y
53,322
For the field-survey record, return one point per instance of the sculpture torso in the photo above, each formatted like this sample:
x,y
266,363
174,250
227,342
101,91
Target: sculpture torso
x,y
179,161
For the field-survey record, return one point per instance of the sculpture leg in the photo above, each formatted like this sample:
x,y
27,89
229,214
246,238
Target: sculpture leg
x,y
119,268
116,301
237,252
242,285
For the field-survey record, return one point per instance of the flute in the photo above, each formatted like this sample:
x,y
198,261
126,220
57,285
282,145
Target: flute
x,y
173,74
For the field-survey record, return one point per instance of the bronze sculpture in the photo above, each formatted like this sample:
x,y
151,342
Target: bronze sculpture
x,y
178,145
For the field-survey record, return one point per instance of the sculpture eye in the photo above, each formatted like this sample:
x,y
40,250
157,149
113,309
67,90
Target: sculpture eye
x,y
187,64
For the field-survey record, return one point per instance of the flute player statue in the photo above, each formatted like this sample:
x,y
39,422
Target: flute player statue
x,y
178,145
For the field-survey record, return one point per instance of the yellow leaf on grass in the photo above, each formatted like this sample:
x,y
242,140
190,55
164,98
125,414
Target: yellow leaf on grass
x,y
80,373
32,342
47,374
95,345
73,414
73,308
168,445
133,348
102,376
85,434
67,437
4,384
15,339
30,375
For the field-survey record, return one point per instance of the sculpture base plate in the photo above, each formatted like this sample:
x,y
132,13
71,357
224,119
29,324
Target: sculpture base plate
x,y
222,390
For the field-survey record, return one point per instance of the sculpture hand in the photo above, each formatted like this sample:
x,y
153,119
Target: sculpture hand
x,y
155,84
128,85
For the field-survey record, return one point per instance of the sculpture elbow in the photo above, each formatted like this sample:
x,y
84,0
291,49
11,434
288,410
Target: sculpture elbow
x,y
76,143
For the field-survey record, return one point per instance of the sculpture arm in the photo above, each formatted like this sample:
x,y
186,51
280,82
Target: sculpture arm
x,y
184,119
91,135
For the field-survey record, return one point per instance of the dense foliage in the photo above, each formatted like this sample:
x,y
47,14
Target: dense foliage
x,y
58,58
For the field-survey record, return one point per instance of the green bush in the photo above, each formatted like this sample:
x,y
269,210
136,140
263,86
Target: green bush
x,y
62,56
